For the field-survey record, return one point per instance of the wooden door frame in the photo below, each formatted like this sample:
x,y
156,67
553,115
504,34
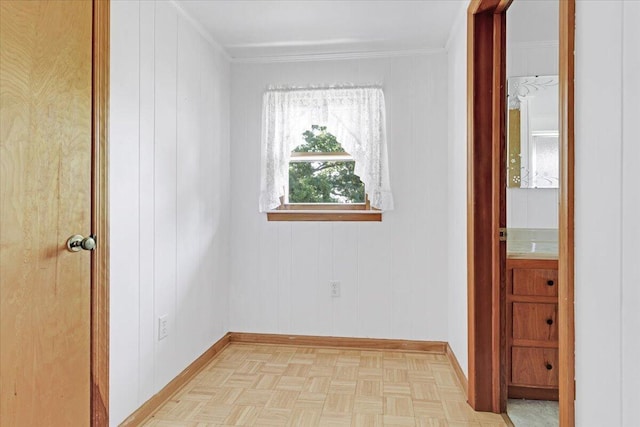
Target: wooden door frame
x,y
486,68
100,216
486,197
566,262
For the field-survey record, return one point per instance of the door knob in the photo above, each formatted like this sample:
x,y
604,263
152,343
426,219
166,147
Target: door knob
x,y
78,242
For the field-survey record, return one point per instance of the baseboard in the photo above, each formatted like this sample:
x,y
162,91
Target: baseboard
x,y
462,378
340,342
152,405
507,420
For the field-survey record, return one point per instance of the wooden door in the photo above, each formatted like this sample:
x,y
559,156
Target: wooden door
x,y
45,197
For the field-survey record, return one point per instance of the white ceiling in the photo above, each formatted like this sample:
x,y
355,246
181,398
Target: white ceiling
x,y
266,28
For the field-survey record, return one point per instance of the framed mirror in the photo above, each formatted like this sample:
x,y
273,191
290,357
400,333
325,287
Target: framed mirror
x,y
533,153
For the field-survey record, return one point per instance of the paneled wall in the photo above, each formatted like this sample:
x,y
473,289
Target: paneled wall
x,y
630,223
393,274
532,51
457,189
607,213
169,185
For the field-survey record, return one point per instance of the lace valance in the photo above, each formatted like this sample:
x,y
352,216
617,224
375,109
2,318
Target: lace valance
x,y
355,115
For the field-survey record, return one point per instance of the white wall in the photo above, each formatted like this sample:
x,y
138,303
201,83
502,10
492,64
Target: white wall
x,y
532,208
169,179
630,224
533,21
393,273
457,190
607,211
532,50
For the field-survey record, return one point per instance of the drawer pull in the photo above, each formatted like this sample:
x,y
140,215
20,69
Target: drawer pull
x,y
548,366
549,282
549,322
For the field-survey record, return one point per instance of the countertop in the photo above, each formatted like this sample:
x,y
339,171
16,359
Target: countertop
x,y
531,243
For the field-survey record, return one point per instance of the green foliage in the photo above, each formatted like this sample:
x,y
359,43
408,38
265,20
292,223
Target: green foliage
x,y
318,140
323,182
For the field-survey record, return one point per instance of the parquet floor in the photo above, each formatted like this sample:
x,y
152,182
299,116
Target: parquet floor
x,y
272,385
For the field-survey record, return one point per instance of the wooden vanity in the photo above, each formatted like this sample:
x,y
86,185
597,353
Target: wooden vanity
x,y
532,328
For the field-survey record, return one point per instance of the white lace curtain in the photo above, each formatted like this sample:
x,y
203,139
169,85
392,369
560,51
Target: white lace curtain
x,y
354,115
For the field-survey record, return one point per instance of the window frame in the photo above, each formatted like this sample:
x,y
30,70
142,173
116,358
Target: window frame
x,y
323,211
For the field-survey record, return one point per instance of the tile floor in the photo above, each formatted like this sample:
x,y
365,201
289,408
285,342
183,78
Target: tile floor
x,y
273,385
533,413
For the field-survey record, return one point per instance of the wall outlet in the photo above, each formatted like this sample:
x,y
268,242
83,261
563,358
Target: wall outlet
x,y
334,287
163,327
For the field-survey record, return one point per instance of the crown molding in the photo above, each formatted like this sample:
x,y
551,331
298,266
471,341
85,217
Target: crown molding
x,y
200,29
336,56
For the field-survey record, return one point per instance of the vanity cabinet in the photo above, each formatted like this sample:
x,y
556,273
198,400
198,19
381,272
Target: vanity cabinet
x,y
532,328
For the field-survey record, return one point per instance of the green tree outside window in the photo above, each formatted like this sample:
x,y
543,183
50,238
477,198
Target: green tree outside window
x,y
323,181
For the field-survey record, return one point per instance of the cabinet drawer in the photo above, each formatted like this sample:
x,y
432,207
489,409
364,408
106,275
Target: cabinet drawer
x,y
535,321
535,281
532,366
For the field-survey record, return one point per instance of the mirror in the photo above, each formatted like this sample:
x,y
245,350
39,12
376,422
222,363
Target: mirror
x,y
532,139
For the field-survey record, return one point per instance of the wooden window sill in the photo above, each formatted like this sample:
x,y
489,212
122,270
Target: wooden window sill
x,y
325,215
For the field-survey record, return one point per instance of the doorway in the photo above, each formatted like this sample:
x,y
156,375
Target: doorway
x,y
487,282
532,164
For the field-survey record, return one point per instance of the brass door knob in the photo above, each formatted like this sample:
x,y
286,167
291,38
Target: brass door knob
x,y
77,242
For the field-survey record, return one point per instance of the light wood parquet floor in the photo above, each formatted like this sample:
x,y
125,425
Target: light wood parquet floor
x,y
273,385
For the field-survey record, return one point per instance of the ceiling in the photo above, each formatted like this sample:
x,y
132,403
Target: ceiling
x,y
263,29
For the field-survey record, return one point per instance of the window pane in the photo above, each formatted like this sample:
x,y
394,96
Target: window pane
x,y
324,182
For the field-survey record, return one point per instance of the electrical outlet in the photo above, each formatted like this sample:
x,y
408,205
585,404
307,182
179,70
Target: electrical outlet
x,y
163,327
334,287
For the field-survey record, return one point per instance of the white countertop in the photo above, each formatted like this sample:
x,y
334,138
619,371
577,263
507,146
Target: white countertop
x,y
529,243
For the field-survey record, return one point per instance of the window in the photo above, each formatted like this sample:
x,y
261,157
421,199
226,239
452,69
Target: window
x,y
322,180
324,155
320,171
